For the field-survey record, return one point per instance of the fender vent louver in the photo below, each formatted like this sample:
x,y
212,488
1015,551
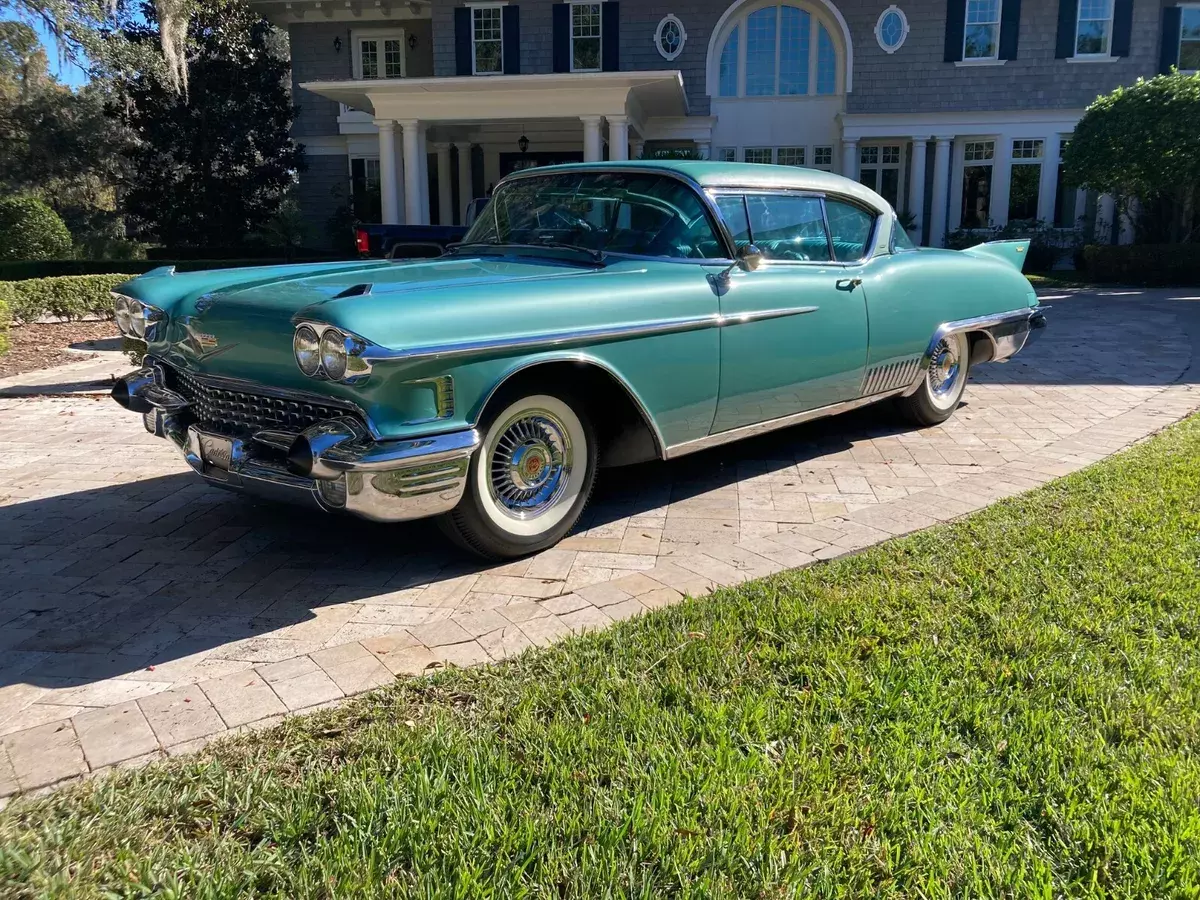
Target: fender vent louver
x,y
355,290
891,376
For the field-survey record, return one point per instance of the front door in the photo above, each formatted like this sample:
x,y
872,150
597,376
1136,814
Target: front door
x,y
803,341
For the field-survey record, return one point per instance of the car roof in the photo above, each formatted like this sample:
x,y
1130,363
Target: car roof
x,y
739,175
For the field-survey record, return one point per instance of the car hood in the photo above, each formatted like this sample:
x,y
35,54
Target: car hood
x,y
240,322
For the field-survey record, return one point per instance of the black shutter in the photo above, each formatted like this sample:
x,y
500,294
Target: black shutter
x,y
610,36
462,41
1168,53
1010,28
1122,27
561,28
1065,46
512,40
956,23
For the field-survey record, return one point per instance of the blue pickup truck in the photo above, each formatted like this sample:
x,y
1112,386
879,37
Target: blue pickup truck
x,y
413,241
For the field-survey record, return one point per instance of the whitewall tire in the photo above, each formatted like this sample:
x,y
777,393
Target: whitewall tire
x,y
530,479
941,388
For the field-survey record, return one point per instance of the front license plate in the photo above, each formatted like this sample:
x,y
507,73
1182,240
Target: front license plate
x,y
217,451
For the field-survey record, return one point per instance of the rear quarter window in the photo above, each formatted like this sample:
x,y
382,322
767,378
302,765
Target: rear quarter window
x,y
850,228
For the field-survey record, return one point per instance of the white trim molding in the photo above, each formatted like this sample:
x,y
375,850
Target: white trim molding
x,y
904,29
669,19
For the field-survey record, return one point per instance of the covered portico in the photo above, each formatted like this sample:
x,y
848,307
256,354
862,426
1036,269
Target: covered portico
x,y
579,108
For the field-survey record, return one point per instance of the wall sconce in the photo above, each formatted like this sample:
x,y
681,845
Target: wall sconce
x,y
337,45
412,42
523,143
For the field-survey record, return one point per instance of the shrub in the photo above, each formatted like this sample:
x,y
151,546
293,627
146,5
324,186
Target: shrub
x,y
29,229
5,320
17,271
1047,245
1143,264
68,297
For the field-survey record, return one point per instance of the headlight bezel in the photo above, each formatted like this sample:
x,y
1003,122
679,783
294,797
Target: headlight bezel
x,y
303,331
349,349
136,319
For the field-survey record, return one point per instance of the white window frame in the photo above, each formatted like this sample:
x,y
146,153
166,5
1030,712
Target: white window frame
x,y
879,166
824,167
599,4
758,148
1183,7
382,34
474,56
799,148
1013,162
1079,20
720,154
995,57
959,178
367,159
816,22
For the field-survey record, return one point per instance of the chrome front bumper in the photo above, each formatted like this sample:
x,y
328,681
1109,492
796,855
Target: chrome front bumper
x,y
335,464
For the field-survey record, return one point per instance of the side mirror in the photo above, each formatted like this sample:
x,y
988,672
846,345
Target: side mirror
x,y
749,257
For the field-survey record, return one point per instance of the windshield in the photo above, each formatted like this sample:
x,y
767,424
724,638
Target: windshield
x,y
638,213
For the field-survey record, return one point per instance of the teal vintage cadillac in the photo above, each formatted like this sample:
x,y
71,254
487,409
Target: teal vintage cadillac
x,y
595,315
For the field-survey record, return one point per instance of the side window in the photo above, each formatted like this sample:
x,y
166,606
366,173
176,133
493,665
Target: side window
x,y
900,238
788,227
850,227
733,211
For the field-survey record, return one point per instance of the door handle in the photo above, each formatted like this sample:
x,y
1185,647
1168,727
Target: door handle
x,y
848,284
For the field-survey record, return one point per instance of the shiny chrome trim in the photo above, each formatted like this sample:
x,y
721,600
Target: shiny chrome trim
x,y
357,367
747,431
575,337
1007,331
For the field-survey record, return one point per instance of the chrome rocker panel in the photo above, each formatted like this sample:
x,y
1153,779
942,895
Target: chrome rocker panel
x,y
336,464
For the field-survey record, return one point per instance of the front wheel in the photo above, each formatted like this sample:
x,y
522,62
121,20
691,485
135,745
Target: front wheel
x,y
530,480
941,389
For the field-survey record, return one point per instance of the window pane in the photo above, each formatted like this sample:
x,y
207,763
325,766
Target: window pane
x,y
981,42
727,154
900,238
365,199
850,227
585,36
1064,200
788,227
1023,192
977,196
729,64
1189,39
1092,38
795,25
826,62
758,155
822,157
790,156
983,12
370,59
487,34
733,211
1027,149
889,186
393,57
760,52
869,177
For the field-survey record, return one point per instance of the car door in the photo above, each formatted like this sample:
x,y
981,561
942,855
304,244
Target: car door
x,y
801,342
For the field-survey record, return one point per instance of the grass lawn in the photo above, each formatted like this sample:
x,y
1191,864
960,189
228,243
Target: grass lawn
x,y
1067,278
1008,706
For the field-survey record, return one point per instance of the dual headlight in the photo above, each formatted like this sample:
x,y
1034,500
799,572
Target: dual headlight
x,y
323,351
136,319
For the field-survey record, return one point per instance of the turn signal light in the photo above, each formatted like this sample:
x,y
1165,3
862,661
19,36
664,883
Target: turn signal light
x,y
361,241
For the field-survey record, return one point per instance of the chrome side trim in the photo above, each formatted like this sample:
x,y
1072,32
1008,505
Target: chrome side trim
x,y
747,431
1007,331
570,338
886,377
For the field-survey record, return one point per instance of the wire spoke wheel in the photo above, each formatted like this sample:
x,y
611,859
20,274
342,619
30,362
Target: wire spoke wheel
x,y
531,463
944,368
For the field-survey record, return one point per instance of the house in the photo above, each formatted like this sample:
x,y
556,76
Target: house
x,y
956,111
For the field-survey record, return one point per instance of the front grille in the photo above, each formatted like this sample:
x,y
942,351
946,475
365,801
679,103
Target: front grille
x,y
227,409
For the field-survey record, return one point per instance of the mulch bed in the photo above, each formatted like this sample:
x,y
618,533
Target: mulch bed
x,y
41,346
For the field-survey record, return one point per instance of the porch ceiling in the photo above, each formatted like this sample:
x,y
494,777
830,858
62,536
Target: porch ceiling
x,y
503,97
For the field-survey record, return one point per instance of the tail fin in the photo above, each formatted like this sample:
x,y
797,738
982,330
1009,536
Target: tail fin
x,y
1011,252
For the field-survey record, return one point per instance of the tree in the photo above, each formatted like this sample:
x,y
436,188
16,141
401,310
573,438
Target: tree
x,y
213,166
1141,141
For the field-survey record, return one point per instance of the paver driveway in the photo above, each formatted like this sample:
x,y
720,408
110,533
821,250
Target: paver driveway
x,y
142,613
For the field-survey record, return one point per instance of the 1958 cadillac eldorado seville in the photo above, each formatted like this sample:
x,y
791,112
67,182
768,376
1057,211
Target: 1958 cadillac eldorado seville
x,y
595,315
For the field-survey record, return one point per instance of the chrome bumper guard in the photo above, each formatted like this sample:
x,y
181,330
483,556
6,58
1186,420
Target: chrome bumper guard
x,y
1007,334
335,464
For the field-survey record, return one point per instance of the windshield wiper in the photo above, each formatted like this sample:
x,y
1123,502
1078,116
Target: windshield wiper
x,y
594,256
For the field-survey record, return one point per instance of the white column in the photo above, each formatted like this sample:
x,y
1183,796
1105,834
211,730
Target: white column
x,y
412,171
618,138
850,159
591,138
636,146
389,200
916,187
1106,218
445,193
1049,181
705,148
1001,181
464,179
941,189
423,158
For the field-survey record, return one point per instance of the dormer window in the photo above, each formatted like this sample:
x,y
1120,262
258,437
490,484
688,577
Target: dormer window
x,y
1093,30
585,37
379,54
981,38
487,39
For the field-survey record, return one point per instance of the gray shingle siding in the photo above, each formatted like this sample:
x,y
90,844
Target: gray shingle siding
x,y
324,186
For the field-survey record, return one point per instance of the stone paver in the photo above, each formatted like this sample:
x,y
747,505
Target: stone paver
x,y
143,614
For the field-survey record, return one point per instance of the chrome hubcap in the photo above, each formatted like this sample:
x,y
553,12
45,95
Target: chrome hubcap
x,y
943,368
530,463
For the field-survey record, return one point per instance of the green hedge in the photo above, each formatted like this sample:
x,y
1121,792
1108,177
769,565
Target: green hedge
x,y
69,297
5,320
16,271
1143,264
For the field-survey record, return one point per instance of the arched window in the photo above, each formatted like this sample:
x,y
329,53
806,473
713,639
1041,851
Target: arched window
x,y
780,50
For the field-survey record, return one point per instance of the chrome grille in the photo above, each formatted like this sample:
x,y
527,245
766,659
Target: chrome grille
x,y
228,410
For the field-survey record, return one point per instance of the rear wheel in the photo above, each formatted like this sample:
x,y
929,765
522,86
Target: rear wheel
x,y
530,479
941,390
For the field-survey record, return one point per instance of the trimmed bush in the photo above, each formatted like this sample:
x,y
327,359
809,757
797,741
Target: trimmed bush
x,y
5,320
1143,264
69,297
16,271
29,229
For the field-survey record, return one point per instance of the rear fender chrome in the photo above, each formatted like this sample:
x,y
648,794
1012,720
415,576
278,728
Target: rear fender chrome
x,y
1006,333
